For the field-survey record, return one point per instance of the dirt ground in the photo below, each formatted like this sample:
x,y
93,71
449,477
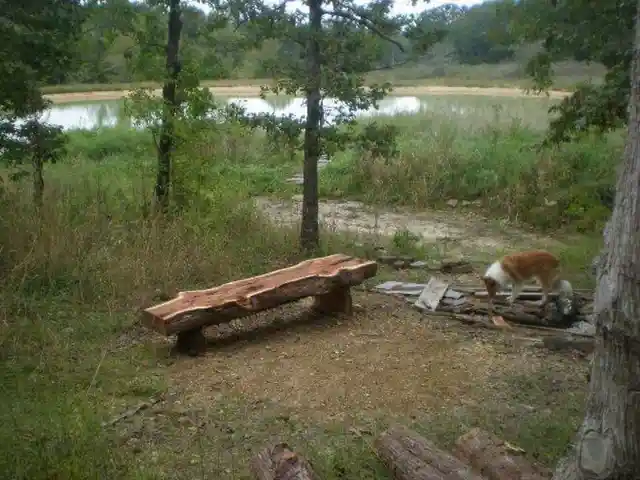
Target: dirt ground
x,y
456,230
329,385
254,91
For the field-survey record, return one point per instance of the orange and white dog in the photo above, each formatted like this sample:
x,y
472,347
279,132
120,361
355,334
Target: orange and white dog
x,y
517,268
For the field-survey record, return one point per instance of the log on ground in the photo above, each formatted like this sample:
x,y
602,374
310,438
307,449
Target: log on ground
x,y
327,278
412,457
279,462
496,459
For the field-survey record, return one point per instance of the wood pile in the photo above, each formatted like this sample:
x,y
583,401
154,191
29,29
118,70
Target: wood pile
x,y
477,455
470,305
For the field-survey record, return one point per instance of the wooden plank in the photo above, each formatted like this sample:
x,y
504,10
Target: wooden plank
x,y
195,309
432,294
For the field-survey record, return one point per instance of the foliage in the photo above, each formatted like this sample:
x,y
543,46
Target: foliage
x,y
36,40
330,47
479,35
494,166
596,32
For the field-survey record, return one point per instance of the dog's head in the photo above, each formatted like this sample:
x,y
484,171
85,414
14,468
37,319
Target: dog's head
x,y
492,287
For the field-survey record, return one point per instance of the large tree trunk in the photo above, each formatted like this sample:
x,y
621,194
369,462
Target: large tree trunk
x,y
608,442
170,107
38,179
309,233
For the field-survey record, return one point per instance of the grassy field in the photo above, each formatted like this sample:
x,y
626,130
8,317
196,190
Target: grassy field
x,y
76,273
508,75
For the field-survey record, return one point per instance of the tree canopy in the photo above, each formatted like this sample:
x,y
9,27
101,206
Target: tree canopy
x,y
600,32
37,39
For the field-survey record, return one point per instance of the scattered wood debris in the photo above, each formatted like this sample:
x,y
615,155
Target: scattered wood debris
x,y
570,317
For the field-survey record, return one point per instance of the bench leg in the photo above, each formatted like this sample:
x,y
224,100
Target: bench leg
x,y
337,300
191,342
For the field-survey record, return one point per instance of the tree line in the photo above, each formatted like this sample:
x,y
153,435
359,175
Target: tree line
x,y
105,48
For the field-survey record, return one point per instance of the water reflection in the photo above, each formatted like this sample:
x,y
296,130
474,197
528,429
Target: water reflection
x,y
110,113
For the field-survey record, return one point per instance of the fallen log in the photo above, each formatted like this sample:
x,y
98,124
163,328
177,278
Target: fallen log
x,y
496,459
412,457
279,462
582,344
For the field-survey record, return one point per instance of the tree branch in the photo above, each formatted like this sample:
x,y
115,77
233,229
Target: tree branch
x,y
362,20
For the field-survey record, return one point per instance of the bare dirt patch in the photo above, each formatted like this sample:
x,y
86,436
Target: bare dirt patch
x,y
254,91
329,385
458,231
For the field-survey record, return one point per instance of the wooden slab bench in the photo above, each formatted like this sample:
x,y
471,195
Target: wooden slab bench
x,y
328,279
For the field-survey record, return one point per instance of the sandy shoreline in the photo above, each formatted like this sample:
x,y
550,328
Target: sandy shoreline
x,y
254,91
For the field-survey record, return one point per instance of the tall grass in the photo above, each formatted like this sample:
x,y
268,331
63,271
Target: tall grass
x,y
496,164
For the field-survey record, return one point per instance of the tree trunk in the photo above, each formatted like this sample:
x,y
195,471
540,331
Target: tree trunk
x,y
170,107
309,234
38,179
608,442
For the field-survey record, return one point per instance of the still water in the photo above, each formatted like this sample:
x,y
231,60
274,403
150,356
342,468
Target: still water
x,y
109,113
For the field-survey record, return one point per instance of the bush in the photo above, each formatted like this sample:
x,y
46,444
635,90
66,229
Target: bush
x,y
499,166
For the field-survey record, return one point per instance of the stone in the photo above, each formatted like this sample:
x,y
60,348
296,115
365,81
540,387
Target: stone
x,y
387,259
582,327
398,264
452,203
419,264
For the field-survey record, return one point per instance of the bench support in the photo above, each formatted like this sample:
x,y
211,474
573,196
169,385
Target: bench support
x,y
338,300
191,342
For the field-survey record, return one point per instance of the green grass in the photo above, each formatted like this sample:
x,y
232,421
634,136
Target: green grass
x,y
75,274
440,71
494,161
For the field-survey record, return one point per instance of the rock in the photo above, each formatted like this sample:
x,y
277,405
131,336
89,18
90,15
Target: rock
x,y
582,327
297,198
452,203
387,259
456,266
400,264
419,264
298,180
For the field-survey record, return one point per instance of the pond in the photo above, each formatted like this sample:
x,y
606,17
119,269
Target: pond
x,y
474,109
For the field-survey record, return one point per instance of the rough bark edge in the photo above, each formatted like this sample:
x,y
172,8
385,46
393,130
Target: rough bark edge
x,y
410,456
191,310
495,458
280,462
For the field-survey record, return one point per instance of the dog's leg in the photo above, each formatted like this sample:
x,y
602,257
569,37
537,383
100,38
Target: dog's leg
x,y
516,289
547,287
